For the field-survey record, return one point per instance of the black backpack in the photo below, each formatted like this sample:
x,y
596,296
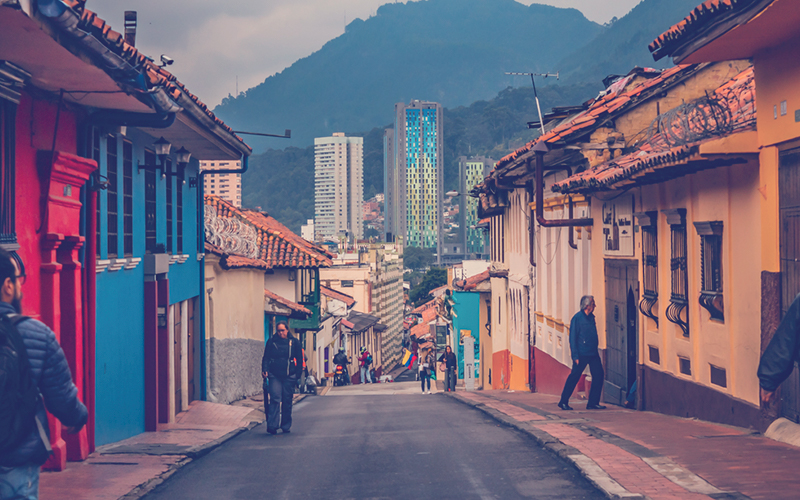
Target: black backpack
x,y
19,394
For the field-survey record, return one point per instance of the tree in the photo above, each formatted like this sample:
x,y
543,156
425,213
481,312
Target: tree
x,y
417,258
434,278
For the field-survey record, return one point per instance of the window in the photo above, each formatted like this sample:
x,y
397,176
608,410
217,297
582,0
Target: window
x,y
678,309
684,365
655,358
711,268
149,203
648,222
718,376
112,215
127,197
95,147
169,206
179,216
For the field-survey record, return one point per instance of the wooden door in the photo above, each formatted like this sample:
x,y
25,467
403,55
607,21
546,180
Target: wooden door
x,y
191,347
177,344
622,290
789,195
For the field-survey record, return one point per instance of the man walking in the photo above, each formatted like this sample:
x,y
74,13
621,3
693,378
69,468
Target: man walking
x,y
48,369
583,343
282,363
778,359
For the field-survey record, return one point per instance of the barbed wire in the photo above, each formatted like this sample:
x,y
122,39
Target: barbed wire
x,y
230,234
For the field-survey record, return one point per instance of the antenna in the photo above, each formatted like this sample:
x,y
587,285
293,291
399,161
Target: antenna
x,y
535,94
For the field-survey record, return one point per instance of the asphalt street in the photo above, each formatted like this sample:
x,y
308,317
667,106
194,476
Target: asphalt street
x,y
380,441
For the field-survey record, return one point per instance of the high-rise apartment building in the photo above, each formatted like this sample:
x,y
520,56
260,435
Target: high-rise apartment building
x,y
471,172
226,186
416,189
339,187
390,188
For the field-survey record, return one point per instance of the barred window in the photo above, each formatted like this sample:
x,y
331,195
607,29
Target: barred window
x,y
149,203
112,208
127,197
648,222
711,268
95,147
678,309
179,216
169,205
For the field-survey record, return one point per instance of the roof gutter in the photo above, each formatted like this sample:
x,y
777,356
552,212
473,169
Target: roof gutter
x,y
68,20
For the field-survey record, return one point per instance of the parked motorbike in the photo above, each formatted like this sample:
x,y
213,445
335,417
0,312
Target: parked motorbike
x,y
340,376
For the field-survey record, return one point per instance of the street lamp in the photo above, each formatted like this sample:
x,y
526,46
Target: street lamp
x,y
162,147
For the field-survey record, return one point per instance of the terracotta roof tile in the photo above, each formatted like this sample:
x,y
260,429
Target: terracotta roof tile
x,y
473,281
275,244
114,41
237,262
698,19
612,102
732,103
286,302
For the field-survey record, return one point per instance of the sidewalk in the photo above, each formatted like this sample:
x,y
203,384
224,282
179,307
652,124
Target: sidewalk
x,y
129,469
631,454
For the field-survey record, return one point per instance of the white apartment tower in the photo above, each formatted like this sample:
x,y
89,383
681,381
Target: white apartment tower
x,y
339,187
226,186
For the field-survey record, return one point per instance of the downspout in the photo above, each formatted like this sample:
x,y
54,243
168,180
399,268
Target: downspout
x,y
540,149
201,237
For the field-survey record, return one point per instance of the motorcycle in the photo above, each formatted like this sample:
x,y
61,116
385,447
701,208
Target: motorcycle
x,y
340,376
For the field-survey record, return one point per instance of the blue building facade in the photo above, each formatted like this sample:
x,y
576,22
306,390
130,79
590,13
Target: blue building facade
x,y
138,209
467,318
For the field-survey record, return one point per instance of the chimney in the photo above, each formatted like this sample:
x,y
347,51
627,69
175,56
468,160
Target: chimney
x,y
130,27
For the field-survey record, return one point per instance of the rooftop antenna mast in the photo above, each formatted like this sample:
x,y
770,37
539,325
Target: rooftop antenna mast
x,y
535,94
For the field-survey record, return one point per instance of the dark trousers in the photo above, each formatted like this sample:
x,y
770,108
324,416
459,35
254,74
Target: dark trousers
x,y
423,376
450,379
596,369
281,393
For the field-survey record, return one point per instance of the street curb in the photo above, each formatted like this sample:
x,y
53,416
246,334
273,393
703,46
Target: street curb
x,y
585,465
191,454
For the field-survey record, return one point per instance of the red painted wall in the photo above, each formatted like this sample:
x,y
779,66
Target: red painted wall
x,y
551,375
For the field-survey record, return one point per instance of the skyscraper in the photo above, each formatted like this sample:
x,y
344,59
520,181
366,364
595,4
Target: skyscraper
x,y
471,172
226,186
390,187
416,187
339,187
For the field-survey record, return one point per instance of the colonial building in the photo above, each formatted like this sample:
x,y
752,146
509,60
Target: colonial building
x,y
766,31
100,151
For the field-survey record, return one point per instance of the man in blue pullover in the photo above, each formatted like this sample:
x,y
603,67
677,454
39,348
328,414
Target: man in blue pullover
x,y
583,344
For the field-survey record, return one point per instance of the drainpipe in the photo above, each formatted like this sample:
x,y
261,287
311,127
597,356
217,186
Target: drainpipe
x,y
540,149
201,237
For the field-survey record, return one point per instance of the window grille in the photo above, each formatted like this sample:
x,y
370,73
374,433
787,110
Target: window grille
x,y
169,206
678,309
112,215
127,198
95,146
179,215
648,222
149,203
711,268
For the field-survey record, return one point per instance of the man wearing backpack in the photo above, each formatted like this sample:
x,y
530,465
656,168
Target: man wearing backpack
x,y
31,363
365,360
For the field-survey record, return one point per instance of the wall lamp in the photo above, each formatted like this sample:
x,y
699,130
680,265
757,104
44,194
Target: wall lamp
x,y
162,147
182,156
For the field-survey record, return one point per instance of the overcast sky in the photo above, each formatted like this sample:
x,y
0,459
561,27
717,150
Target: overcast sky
x,y
213,41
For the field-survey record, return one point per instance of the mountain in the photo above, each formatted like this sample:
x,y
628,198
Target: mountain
x,y
450,51
481,121
624,44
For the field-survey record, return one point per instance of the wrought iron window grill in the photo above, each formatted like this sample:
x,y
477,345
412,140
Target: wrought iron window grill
x,y
711,297
112,207
127,198
648,222
170,196
150,204
678,309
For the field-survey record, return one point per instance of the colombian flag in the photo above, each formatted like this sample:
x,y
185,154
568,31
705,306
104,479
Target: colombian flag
x,y
406,357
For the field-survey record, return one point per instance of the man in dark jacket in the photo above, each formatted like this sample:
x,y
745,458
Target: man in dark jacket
x,y
19,468
583,344
282,363
778,359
